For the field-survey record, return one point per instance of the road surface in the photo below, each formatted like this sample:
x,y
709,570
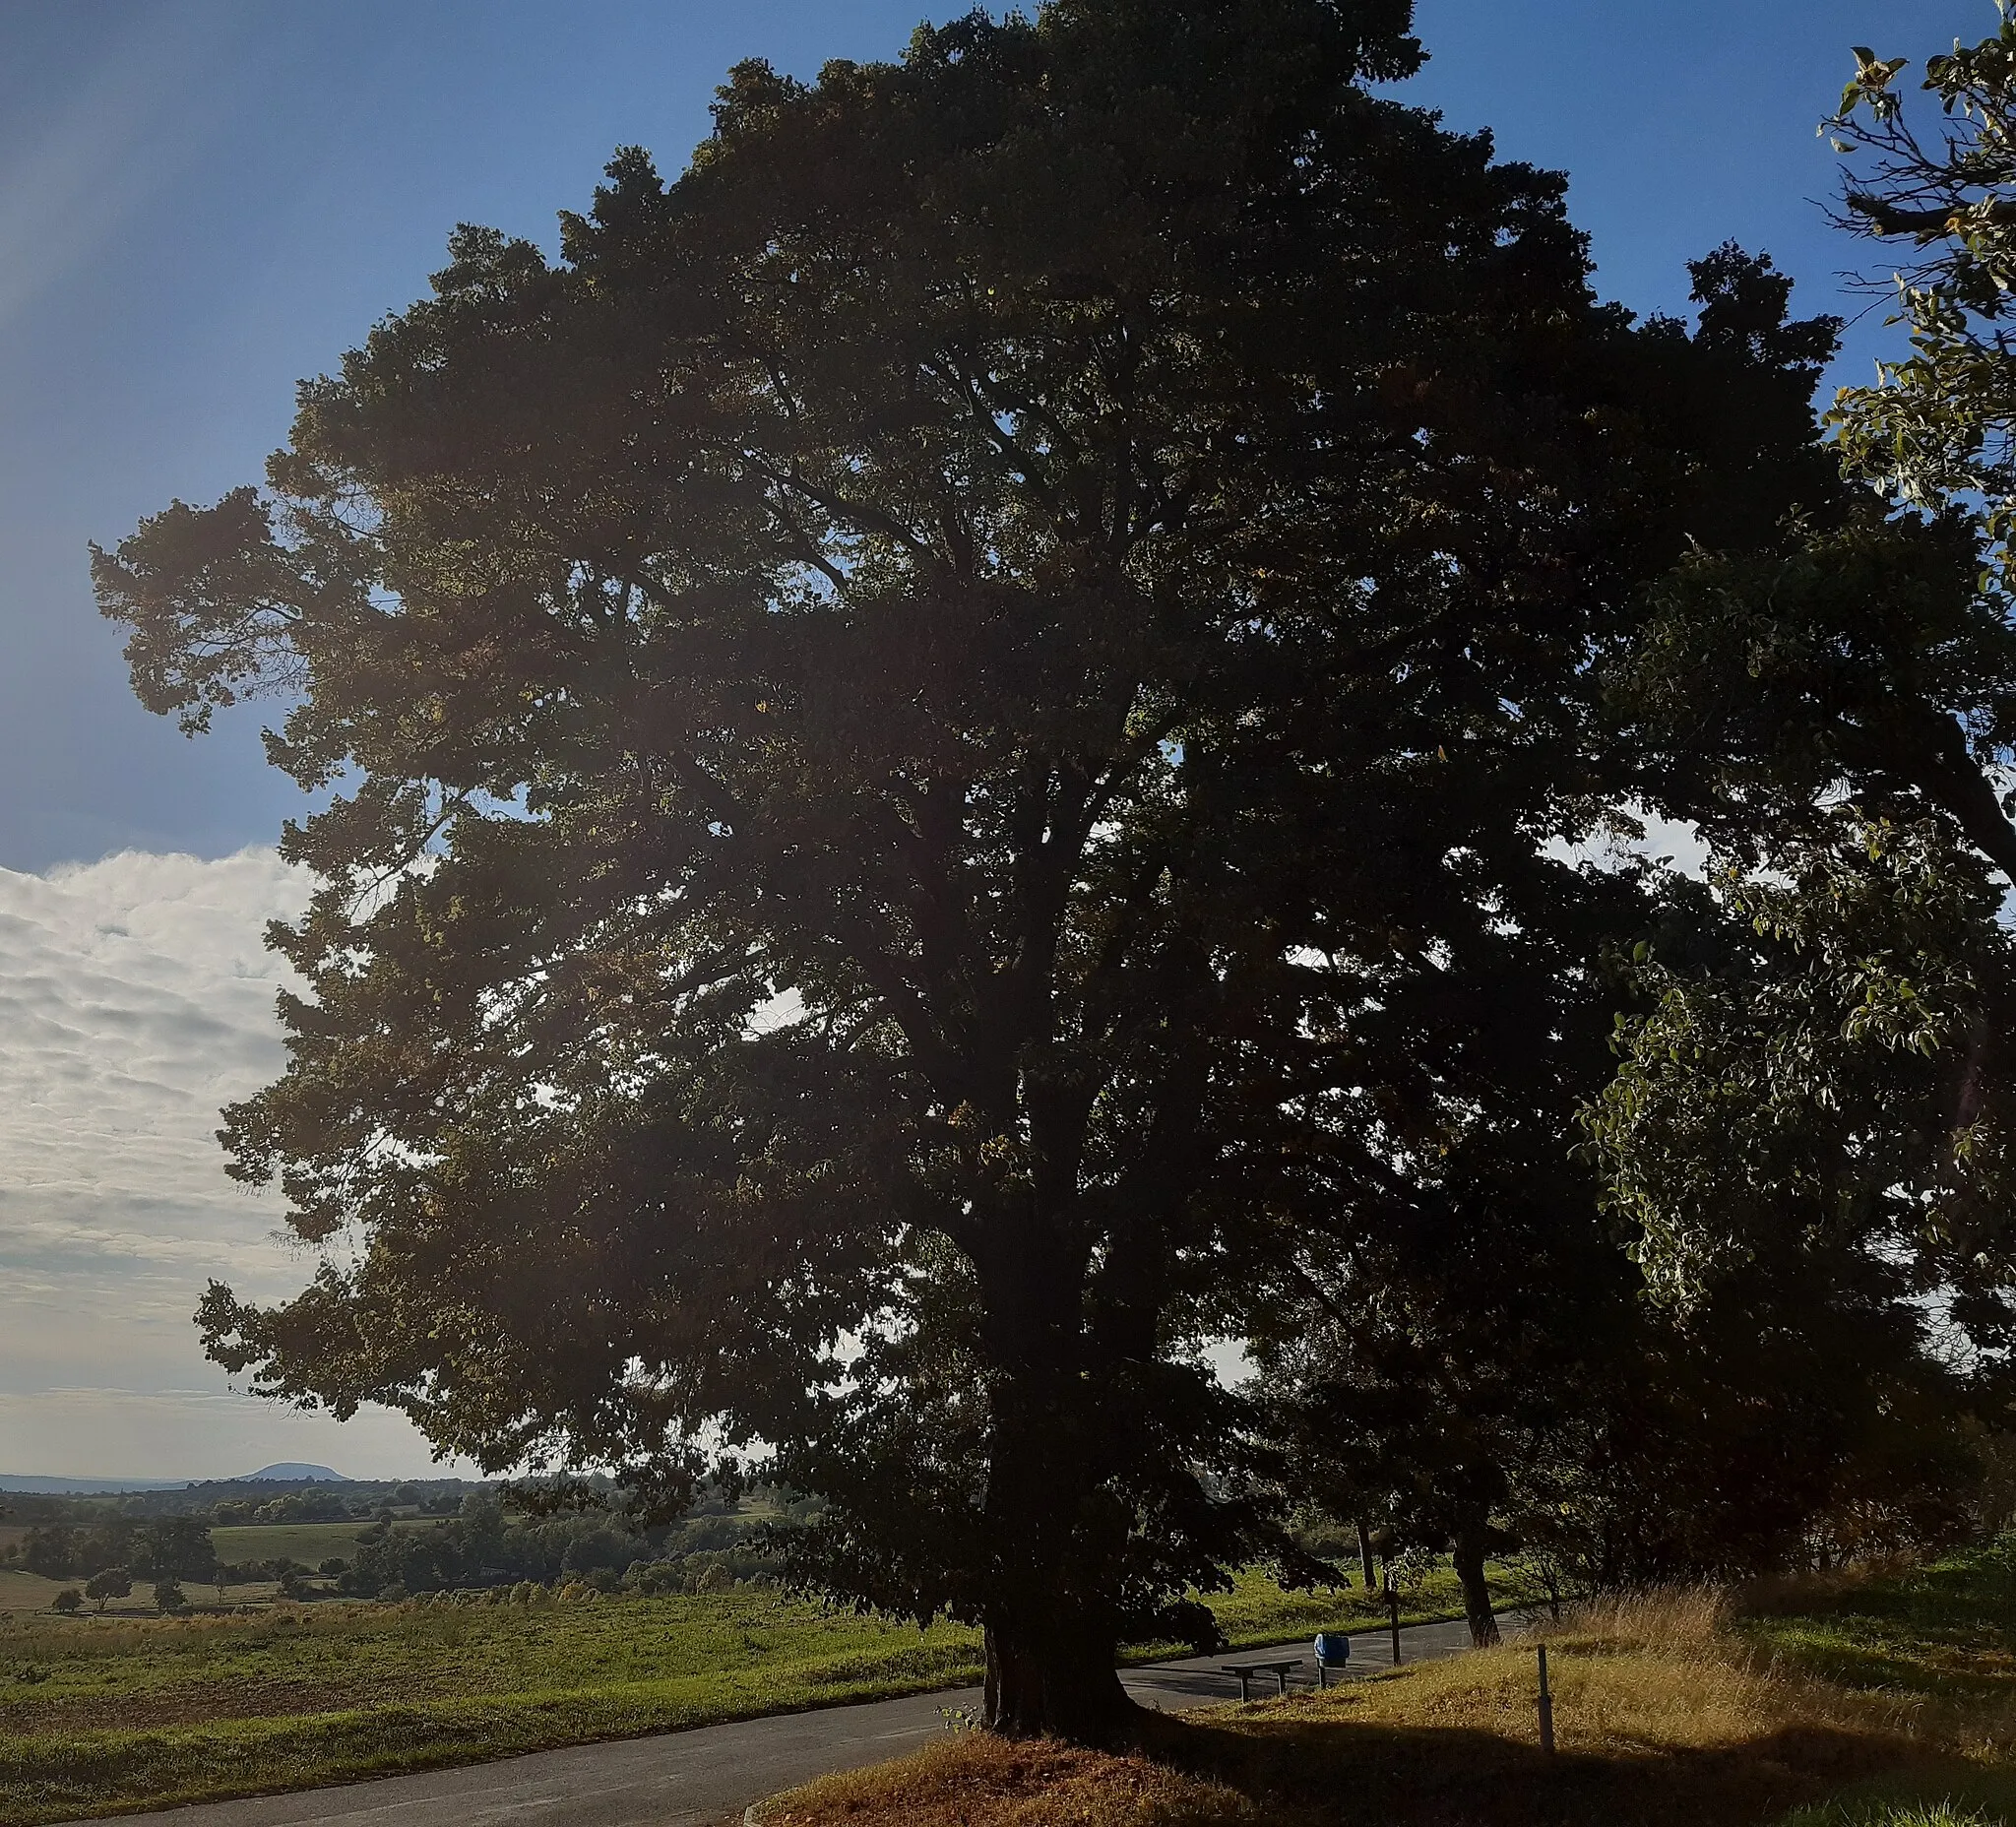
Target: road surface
x,y
712,1773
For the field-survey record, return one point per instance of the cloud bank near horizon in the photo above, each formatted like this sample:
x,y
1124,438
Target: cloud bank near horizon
x,y
136,999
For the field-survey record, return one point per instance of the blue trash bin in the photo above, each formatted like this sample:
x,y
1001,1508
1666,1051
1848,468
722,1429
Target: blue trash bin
x,y
1333,1650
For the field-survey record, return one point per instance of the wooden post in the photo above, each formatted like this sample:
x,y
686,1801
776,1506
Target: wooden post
x,y
1393,1616
1546,1705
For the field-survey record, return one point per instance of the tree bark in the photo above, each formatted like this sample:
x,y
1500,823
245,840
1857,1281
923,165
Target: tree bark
x,y
1051,1649
1058,1544
1476,1594
1053,1681
1365,1556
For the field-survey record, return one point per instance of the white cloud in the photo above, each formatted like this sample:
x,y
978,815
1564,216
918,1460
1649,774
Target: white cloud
x,y
136,999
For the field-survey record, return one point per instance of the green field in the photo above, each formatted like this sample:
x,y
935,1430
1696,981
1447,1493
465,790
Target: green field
x,y
28,1592
310,1544
119,1712
1946,1629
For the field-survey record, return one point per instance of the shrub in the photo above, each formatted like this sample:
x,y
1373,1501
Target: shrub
x,y
68,1599
167,1597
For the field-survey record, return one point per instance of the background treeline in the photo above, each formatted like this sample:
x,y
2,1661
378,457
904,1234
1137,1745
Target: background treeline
x,y
168,1547
717,1542
226,1502
716,1545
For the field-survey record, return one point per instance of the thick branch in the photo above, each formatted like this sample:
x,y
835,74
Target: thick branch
x,y
1928,749
1884,218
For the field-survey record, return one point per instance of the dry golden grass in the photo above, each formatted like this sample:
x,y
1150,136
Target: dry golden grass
x,y
1665,1714
990,1781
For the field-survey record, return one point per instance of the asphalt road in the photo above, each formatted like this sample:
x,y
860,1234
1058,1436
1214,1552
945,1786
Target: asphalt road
x,y
713,1773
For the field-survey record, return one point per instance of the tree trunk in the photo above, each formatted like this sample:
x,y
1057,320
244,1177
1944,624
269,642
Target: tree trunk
x,y
1366,1557
1051,1648
1057,1542
1055,1682
1477,1595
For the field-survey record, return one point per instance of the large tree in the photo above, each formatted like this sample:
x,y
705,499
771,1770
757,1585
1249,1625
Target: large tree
x,y
899,723
1721,1337
1838,710
1874,652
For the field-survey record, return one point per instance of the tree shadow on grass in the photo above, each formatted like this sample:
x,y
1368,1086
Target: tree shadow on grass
x,y
1300,1768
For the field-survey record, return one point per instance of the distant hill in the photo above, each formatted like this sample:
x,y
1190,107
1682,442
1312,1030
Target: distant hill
x,y
288,1472
82,1487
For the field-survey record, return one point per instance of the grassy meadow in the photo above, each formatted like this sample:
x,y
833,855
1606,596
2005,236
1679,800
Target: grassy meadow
x,y
99,1714
310,1544
1871,1702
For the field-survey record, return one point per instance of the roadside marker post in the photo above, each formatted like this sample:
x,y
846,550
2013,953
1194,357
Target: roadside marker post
x,y
1393,1615
1546,1705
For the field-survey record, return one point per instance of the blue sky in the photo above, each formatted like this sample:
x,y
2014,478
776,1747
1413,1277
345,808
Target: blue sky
x,y
202,201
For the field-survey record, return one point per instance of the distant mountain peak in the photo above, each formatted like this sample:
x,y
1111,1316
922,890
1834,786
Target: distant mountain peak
x,y
293,1472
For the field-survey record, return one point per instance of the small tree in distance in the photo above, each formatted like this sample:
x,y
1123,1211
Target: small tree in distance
x,y
178,1547
67,1601
108,1584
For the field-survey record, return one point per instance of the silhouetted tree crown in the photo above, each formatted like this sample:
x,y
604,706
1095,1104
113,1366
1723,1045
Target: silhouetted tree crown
x,y
915,728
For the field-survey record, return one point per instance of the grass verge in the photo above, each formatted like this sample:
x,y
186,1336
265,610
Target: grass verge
x,y
1874,1703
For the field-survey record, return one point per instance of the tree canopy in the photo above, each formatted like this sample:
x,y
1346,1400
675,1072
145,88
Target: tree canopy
x,y
949,736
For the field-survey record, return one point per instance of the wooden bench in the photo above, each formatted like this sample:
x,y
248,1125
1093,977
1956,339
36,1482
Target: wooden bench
x,y
1247,1671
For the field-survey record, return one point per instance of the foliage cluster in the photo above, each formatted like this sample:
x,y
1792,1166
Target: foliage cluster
x,y
1770,1328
